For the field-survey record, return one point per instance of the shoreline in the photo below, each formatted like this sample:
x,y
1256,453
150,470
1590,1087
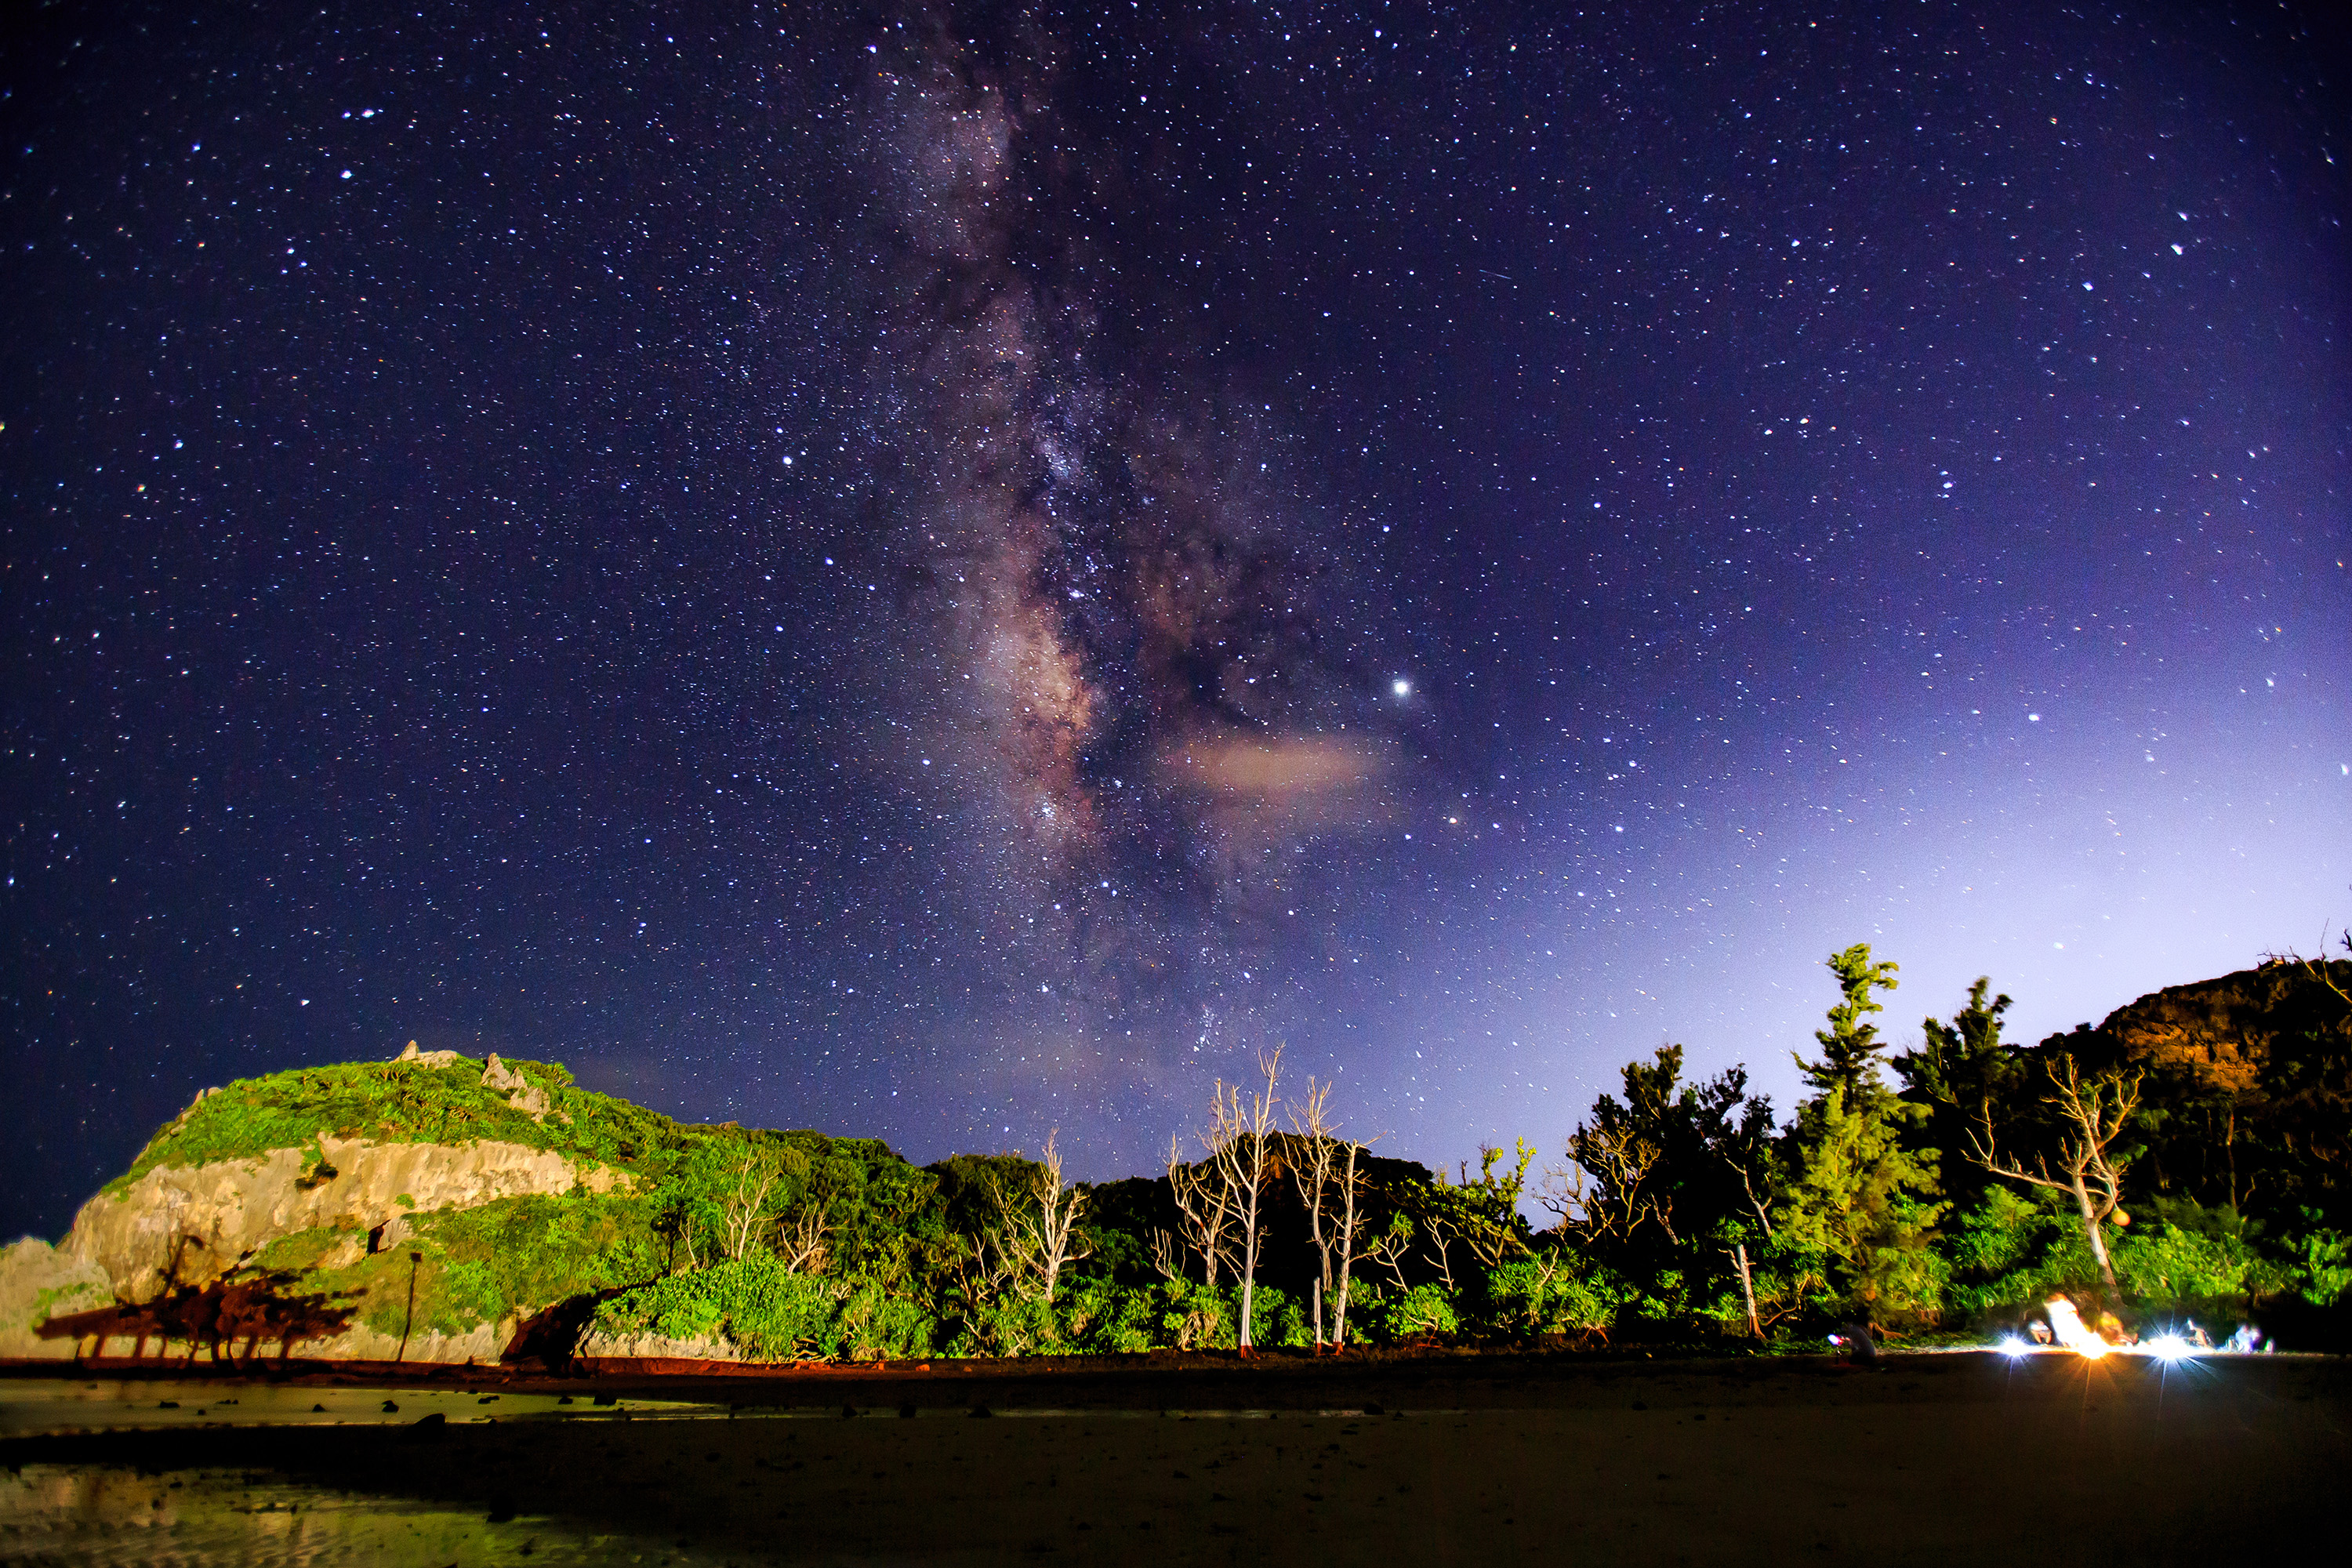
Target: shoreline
x,y
1930,1458
1452,1379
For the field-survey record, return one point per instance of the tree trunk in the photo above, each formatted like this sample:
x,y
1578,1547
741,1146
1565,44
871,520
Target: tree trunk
x,y
1347,1253
1249,1268
2230,1146
2097,1234
1747,1290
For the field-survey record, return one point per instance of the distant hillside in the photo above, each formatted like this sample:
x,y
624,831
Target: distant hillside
x,y
2249,1081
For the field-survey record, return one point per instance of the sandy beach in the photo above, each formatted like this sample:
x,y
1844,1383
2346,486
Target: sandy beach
x,y
1929,1460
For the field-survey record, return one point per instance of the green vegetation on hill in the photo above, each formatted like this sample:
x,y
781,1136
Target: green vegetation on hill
x,y
495,1264
1929,1192
407,1102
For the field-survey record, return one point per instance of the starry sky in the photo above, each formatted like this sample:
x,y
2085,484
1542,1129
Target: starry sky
x,y
944,573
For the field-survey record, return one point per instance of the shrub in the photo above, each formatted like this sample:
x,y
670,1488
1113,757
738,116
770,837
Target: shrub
x,y
765,1311
1109,1318
1008,1326
1276,1318
880,1324
2011,1252
1423,1310
1193,1316
2187,1255
2323,1265
1126,1327
1557,1295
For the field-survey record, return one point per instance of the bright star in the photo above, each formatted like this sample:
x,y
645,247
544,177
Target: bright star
x,y
1401,687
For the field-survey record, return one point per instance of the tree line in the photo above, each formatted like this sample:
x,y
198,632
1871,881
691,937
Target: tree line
x,y
2169,1169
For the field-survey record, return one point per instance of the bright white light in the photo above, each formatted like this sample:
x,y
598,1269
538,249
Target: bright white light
x,y
1402,688
2012,1346
2170,1347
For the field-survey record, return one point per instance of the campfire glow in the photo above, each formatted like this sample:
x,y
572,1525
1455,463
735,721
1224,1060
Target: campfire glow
x,y
2072,1337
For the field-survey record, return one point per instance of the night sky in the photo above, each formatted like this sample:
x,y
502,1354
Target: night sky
x,y
947,574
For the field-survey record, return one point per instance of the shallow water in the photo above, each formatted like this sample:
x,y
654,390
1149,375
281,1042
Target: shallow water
x,y
71,1516
1946,1460
33,1407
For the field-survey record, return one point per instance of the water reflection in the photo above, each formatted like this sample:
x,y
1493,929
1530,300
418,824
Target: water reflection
x,y
80,1514
34,1406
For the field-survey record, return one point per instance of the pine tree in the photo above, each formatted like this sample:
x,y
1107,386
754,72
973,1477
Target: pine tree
x,y
1960,1074
1850,1046
1857,1196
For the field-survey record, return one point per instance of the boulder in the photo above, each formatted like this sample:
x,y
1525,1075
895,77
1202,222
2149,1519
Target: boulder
x,y
521,1093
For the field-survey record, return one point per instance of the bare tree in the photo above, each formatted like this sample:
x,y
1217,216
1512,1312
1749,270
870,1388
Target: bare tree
x,y
1388,1249
1322,1179
1761,1207
2095,1114
1350,1226
1563,1191
1481,1214
983,1269
1167,1254
1041,1236
1240,1153
1202,1201
1619,1200
745,1212
800,1241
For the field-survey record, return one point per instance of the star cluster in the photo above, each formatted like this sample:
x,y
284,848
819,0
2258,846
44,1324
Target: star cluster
x,y
948,572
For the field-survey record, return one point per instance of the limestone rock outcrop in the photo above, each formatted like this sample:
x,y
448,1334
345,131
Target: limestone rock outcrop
x,y
599,1346
521,1093
179,1225
37,1282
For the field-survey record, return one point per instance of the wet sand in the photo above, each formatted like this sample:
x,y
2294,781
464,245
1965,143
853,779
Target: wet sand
x,y
1933,1458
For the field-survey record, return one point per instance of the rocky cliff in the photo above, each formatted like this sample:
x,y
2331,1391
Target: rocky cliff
x,y
38,1282
431,1207
2247,1090
188,1227
348,1210
2225,1034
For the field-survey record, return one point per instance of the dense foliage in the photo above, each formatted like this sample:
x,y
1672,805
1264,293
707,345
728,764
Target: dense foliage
x,y
406,1102
2186,1157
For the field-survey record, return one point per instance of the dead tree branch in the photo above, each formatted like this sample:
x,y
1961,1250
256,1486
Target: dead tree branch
x,y
1041,1236
744,1212
1241,1154
2095,1114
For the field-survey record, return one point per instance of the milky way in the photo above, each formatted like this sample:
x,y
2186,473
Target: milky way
x,y
1126,654
948,573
